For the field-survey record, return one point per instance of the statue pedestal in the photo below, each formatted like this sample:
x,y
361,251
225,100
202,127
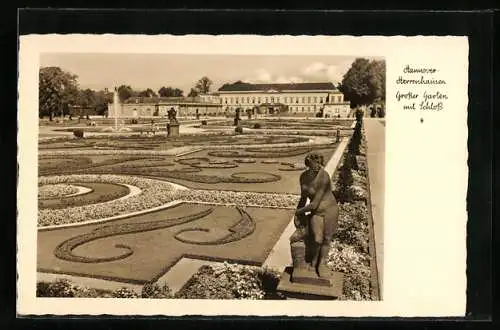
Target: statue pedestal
x,y
302,284
173,129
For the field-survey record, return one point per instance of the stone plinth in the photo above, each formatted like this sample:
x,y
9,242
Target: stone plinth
x,y
303,284
173,129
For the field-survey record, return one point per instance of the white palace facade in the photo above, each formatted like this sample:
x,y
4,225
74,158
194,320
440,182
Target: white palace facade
x,y
299,99
305,99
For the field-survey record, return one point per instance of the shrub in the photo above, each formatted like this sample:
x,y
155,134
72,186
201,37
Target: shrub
x,y
381,112
78,133
238,130
231,281
203,122
257,126
343,192
63,288
133,121
359,115
125,293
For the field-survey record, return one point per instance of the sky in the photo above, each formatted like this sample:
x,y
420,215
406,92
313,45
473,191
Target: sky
x,y
141,71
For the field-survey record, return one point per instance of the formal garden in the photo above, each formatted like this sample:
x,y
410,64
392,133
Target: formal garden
x,y
126,207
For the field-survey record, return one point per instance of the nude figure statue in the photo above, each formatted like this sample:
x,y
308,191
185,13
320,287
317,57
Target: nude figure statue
x,y
316,222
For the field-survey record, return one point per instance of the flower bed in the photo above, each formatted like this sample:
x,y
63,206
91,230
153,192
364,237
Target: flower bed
x,y
65,249
292,166
256,153
97,193
50,164
191,174
63,288
154,193
238,231
226,197
58,165
56,191
350,249
201,162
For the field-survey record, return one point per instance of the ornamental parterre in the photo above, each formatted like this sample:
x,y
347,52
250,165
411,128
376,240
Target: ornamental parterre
x,y
154,193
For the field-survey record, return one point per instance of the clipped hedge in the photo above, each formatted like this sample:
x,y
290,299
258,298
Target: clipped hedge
x,y
78,133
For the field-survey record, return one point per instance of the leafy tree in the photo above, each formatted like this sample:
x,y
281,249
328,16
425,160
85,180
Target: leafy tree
x,y
203,85
56,90
364,82
125,92
86,98
193,93
170,92
147,93
376,74
102,99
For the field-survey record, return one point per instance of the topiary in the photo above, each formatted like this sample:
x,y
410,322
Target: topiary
x,y
203,122
381,112
257,126
238,130
359,115
78,133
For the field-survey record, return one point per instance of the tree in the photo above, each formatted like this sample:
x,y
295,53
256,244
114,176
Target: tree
x,y
193,93
203,85
376,76
102,99
170,92
364,82
125,92
56,90
86,98
147,93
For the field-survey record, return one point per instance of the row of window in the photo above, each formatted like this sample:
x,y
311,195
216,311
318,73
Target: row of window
x,y
277,99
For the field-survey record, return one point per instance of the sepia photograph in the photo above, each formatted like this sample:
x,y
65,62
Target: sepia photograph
x,y
210,176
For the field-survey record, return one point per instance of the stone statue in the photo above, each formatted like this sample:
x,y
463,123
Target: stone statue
x,y
173,125
316,222
237,117
172,115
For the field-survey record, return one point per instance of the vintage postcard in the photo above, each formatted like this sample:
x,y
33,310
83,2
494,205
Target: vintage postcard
x,y
242,175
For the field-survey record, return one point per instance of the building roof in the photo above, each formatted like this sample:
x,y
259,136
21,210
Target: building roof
x,y
247,87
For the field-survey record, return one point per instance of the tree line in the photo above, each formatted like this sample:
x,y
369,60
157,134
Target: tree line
x,y
362,84
59,93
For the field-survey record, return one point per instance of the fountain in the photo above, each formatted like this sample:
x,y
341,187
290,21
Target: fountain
x,y
116,100
116,115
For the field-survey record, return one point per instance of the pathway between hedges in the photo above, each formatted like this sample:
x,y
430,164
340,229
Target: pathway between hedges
x,y
375,139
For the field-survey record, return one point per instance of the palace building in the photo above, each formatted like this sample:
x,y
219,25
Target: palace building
x,y
297,99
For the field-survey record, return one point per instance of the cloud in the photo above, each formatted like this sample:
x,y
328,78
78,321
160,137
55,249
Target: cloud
x,y
317,71
314,72
262,76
